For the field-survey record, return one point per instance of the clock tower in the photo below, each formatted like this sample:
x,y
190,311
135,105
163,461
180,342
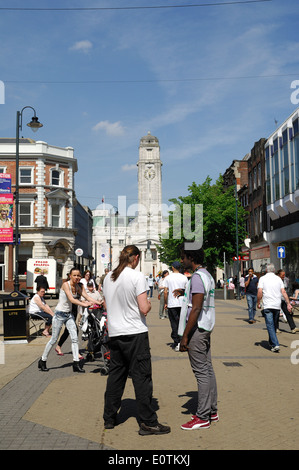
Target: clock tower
x,y
149,224
149,174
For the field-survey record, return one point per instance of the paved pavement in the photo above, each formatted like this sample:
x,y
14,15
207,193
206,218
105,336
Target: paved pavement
x,y
61,410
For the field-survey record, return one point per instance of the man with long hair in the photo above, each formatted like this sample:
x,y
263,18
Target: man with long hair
x,y
125,292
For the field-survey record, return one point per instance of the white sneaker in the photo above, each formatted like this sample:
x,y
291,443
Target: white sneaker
x,y
275,349
177,348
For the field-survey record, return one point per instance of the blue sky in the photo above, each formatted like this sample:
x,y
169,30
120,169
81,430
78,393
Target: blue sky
x,y
208,81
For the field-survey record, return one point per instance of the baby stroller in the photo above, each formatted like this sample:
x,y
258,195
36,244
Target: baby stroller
x,y
94,329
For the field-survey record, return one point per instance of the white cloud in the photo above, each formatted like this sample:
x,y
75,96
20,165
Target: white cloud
x,y
128,167
111,128
82,46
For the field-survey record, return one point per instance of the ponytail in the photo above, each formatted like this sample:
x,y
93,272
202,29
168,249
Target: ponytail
x,y
125,258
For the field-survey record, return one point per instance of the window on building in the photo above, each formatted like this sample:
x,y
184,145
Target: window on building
x,y
55,215
2,169
275,171
25,175
296,160
292,171
285,187
259,175
254,178
256,222
25,214
267,175
250,183
55,179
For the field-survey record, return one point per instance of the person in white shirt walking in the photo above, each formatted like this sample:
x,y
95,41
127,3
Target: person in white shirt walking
x,y
174,281
270,289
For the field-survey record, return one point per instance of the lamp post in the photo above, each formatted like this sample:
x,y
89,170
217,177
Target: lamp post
x,y
34,124
237,242
110,240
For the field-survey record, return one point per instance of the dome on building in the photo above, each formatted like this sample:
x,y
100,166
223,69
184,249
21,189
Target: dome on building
x,y
149,139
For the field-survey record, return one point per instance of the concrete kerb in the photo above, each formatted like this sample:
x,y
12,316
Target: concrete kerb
x,y
246,370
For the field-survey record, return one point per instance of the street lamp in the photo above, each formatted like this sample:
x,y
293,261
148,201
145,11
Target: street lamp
x,y
34,125
237,241
110,240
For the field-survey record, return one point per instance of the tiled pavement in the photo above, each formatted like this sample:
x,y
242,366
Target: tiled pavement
x,y
60,410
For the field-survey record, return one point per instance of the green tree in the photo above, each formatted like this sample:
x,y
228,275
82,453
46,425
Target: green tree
x,y
219,222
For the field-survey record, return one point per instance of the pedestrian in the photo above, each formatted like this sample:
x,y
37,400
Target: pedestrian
x,y
162,310
147,286
288,315
106,271
251,282
125,292
242,286
196,325
174,281
295,297
38,306
95,294
270,289
69,294
78,310
41,281
151,284
87,277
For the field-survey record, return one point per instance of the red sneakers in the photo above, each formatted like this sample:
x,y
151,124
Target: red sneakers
x,y
214,417
196,423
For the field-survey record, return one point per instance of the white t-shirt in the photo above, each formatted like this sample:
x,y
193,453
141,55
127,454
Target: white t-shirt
x,y
84,283
123,315
175,281
271,285
33,307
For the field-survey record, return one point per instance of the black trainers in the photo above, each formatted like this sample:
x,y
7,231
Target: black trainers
x,y
157,429
109,425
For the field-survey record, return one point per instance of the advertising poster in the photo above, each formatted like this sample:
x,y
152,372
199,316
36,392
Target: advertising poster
x,y
6,218
105,253
5,183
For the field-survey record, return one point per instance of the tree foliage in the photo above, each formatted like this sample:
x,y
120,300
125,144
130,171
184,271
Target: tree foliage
x,y
219,223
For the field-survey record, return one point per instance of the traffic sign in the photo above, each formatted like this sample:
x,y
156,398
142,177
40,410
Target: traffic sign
x,y
281,252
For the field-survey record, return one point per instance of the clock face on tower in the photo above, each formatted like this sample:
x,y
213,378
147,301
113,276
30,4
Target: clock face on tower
x,y
149,174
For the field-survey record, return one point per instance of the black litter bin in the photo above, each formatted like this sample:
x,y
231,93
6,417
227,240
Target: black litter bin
x,y
15,317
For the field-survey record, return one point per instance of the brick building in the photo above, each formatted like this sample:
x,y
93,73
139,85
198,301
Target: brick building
x,y
259,221
46,205
249,174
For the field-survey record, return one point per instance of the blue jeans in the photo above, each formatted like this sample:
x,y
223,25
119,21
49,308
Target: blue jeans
x,y
251,302
271,319
60,319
